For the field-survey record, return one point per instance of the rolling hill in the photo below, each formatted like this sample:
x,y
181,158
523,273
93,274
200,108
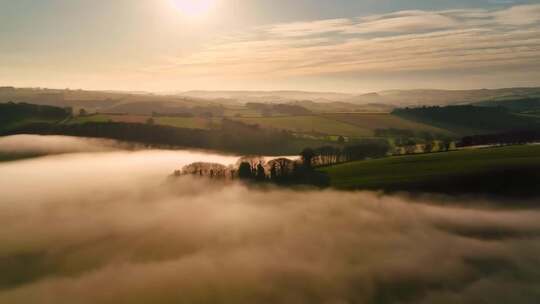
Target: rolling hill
x,y
467,120
411,98
506,170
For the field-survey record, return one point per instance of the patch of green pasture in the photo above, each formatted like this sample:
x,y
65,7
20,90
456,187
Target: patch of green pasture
x,y
308,124
89,118
380,173
188,122
7,157
26,121
374,121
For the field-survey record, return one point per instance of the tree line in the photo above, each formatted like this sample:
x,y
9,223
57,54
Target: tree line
x,y
465,117
17,111
254,169
286,171
506,138
353,151
232,136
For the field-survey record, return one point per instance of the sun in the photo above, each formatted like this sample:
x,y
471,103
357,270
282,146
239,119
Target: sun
x,y
194,8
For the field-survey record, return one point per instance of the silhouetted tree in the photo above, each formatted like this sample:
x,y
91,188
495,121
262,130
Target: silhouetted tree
x,y
11,112
282,168
307,157
244,171
253,161
273,171
261,174
366,149
211,170
429,147
328,155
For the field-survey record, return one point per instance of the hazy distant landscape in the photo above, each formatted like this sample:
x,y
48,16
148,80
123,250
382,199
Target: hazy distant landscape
x,y
319,117
351,198
449,149
280,152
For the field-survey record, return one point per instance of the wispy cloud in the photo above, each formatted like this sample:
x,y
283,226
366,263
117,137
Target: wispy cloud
x,y
299,29
519,15
400,41
404,22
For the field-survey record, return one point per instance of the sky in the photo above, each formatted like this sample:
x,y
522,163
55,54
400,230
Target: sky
x,y
315,45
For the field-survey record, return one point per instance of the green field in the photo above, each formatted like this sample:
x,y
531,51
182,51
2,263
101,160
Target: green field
x,y
6,157
110,118
308,124
339,124
89,118
238,111
372,121
187,122
345,124
496,169
178,122
26,121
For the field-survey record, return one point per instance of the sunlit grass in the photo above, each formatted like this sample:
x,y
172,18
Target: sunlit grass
x,y
393,171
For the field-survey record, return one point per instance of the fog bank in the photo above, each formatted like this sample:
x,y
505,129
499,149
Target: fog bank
x,y
108,228
38,144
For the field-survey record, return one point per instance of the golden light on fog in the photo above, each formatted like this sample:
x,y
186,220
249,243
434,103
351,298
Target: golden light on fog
x,y
194,8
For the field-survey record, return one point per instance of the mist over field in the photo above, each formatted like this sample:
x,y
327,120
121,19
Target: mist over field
x,y
107,227
36,144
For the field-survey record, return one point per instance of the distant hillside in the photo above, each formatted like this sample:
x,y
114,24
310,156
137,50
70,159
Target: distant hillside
x,y
164,108
394,98
268,96
520,105
16,114
104,102
442,97
469,119
317,102
337,106
509,171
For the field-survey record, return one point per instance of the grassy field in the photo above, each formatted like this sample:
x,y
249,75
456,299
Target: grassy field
x,y
372,121
493,170
110,117
6,157
188,122
179,122
90,118
308,124
346,124
234,111
16,124
342,124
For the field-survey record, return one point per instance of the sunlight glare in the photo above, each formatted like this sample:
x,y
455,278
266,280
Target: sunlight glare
x,y
194,8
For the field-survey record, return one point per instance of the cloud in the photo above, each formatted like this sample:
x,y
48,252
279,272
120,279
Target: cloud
x,y
107,228
297,29
404,22
519,15
401,42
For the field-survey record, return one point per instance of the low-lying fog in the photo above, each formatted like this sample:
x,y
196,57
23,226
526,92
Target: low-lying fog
x,y
36,144
106,227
